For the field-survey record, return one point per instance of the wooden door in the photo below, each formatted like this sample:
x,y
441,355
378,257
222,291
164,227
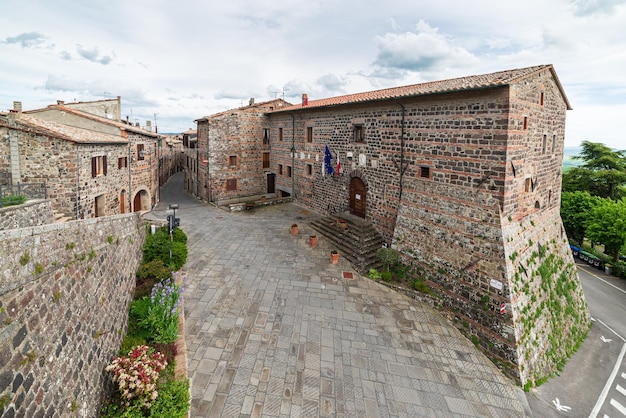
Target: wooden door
x,y
137,203
123,202
358,197
271,183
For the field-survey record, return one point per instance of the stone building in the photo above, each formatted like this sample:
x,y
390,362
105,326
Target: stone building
x,y
144,145
232,156
87,173
463,178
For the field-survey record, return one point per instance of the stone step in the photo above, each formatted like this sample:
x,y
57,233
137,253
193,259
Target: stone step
x,y
355,238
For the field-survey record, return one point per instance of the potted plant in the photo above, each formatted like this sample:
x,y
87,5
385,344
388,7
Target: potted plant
x,y
294,229
313,240
334,257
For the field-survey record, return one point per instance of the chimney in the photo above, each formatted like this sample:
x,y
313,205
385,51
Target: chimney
x,y
149,126
305,99
60,102
17,106
251,101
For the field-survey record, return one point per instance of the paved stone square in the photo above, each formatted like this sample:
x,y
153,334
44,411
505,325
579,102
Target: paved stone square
x,y
274,330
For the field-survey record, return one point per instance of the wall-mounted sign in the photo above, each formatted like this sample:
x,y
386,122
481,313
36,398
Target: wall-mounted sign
x,y
497,284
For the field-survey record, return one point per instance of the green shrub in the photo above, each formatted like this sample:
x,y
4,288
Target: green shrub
x,y
157,247
13,200
386,276
387,256
374,274
420,286
129,342
619,269
150,274
172,400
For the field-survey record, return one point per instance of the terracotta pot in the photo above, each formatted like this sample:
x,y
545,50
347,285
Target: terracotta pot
x,y
294,230
313,241
334,258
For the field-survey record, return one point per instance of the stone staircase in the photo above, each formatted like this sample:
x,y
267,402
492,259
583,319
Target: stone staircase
x,y
354,238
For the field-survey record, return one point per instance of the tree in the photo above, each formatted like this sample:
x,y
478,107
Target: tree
x,y
608,226
576,208
603,172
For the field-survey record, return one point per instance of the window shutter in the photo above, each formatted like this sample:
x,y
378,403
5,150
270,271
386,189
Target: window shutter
x,y
104,164
93,167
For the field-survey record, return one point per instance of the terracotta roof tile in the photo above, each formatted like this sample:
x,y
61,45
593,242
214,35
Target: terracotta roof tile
x,y
66,132
279,102
475,82
121,125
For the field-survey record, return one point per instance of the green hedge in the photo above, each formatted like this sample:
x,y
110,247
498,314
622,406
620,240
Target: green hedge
x,y
157,247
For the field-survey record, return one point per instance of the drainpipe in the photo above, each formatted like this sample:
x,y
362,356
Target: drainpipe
x,y
77,180
197,166
130,178
402,168
293,156
208,161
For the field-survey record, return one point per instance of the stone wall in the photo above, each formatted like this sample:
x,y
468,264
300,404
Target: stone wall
x,y
31,213
232,143
65,291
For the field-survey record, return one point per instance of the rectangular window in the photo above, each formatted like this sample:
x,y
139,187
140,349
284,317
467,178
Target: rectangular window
x,y
424,172
266,136
122,162
99,166
527,184
266,160
553,143
541,99
359,133
280,134
309,134
280,169
232,161
309,169
543,147
231,185
525,122
288,171
141,153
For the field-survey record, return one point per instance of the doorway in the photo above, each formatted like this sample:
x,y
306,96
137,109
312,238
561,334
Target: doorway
x,y
358,197
271,183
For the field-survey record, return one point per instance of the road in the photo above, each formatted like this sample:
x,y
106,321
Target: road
x,y
593,382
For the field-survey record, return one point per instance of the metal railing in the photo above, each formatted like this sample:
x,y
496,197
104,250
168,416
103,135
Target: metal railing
x,y
28,190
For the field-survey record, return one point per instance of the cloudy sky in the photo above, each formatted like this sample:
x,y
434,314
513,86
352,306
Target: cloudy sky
x,y
185,59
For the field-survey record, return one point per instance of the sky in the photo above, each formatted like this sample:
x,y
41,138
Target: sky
x,y
175,61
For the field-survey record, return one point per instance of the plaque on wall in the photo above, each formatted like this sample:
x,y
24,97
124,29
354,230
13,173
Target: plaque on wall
x,y
362,160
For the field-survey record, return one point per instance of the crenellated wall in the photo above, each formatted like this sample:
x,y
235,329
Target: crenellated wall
x,y
65,290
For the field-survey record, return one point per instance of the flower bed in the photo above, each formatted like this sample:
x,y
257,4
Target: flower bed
x,y
149,372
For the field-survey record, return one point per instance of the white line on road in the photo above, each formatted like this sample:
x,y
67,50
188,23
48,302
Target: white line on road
x,y
618,406
600,278
611,329
621,390
609,383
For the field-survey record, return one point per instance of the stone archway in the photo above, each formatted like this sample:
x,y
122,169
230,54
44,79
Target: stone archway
x,y
141,202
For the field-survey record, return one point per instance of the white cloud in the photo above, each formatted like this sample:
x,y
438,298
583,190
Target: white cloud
x,y
425,51
187,59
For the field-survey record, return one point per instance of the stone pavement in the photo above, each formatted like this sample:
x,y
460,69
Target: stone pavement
x,y
274,330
